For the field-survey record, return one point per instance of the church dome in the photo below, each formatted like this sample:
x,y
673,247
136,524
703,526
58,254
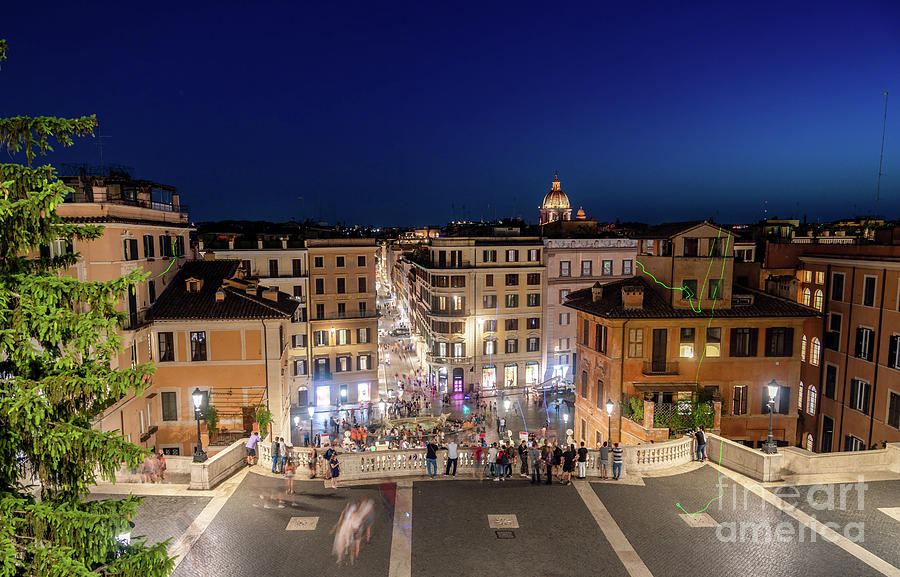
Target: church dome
x,y
556,199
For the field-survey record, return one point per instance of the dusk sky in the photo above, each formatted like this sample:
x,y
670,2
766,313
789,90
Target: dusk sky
x,y
381,113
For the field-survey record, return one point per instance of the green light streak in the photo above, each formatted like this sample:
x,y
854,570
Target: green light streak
x,y
718,484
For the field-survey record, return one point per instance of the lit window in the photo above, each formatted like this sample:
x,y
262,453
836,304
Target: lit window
x,y
805,299
814,351
800,397
820,277
809,442
803,349
687,343
811,400
819,300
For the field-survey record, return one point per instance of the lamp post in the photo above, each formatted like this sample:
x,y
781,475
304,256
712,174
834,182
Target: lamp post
x,y
197,397
610,406
297,426
769,447
312,411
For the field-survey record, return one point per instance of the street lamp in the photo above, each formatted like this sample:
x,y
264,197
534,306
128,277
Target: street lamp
x,y
610,406
566,418
197,396
769,447
312,411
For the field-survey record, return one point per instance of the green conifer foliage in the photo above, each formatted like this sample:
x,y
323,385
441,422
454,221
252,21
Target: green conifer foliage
x,y
57,337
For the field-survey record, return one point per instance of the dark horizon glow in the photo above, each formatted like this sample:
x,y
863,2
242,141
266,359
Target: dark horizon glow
x,y
421,113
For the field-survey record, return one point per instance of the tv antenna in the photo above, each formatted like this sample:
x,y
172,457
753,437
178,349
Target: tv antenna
x,y
881,156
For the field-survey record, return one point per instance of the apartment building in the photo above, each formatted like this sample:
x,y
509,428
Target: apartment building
x,y
478,304
681,330
573,264
852,400
343,321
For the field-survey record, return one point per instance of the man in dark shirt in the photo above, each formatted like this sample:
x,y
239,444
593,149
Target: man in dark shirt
x,y
523,455
431,458
582,461
568,464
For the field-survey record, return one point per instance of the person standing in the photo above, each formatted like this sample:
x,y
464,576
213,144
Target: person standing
x,y
492,458
289,470
534,455
604,460
251,448
523,456
700,435
452,458
276,454
557,460
313,457
335,467
617,461
284,456
162,466
568,464
431,458
328,454
582,461
547,461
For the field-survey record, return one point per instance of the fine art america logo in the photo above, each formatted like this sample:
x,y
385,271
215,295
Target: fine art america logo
x,y
773,527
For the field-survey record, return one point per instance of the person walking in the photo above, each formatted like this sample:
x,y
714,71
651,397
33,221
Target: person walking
x,y
582,461
452,458
523,456
617,461
431,458
284,456
161,458
700,435
251,447
276,454
335,467
568,464
534,455
557,460
290,469
604,460
492,459
313,457
328,454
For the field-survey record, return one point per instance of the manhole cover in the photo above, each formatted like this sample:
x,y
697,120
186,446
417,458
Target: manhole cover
x,y
505,534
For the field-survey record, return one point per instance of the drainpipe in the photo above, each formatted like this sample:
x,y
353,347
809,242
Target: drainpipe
x,y
266,364
846,359
877,355
817,422
622,375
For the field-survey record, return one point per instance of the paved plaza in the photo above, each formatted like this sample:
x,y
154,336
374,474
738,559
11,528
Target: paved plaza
x,y
697,521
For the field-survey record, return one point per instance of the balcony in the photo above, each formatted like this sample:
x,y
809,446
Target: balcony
x,y
348,315
660,368
433,358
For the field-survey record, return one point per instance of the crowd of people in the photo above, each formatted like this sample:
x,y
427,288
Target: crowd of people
x,y
152,469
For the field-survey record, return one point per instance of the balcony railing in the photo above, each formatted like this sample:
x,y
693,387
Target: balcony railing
x,y
444,360
660,368
348,315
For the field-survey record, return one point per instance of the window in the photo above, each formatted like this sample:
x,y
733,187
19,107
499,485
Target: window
x,y
599,400
273,267
165,246
893,360
245,266
148,246
458,303
533,299
830,381
893,418
490,301
341,286
607,268
743,342
815,351
169,402
864,343
320,286
686,343
490,326
852,443
532,344
809,445
833,332
688,289
342,337
739,400
715,289
820,277
627,267
807,276
512,346
512,280
298,291
600,338
130,247
869,291
533,279
584,384
803,348
459,350
151,289
636,343
300,368
339,262
198,345
533,323
837,286
298,341
512,324
800,388
534,255
320,338
166,347
320,310
490,347
458,281
714,341
489,256
296,267
564,344
565,268
361,284
342,364
488,280
859,395
512,301
318,262
342,310
806,297
586,267
585,333
441,349
691,246
363,336
563,293
563,319
363,362
361,260
779,342
512,256
819,300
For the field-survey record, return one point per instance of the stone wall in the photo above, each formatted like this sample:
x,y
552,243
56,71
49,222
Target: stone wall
x,y
216,469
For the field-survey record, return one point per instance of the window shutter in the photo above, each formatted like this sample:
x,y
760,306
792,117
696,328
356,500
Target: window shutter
x,y
865,391
784,400
892,354
788,342
854,388
754,338
859,340
736,400
733,345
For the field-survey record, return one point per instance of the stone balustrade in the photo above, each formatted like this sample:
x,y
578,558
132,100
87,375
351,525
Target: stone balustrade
x,y
219,467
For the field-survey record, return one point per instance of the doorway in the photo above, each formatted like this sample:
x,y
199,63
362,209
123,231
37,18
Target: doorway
x,y
457,380
658,358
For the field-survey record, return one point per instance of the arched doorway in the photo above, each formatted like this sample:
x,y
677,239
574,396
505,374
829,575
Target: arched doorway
x,y
458,380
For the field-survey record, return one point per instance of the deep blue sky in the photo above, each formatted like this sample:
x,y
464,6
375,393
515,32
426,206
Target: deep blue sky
x,y
391,114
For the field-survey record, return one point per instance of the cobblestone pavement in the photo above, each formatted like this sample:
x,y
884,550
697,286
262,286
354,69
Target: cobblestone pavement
x,y
743,544
161,517
856,515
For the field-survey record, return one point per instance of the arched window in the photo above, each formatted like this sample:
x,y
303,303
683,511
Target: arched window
x,y
815,350
812,397
809,442
803,349
819,300
806,296
800,397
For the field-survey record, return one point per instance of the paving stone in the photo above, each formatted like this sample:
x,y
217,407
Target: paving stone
x,y
503,522
302,524
161,517
698,520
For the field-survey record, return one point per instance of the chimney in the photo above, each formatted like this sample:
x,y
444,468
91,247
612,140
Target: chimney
x,y
270,293
259,243
284,242
596,292
230,243
633,297
199,244
220,296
